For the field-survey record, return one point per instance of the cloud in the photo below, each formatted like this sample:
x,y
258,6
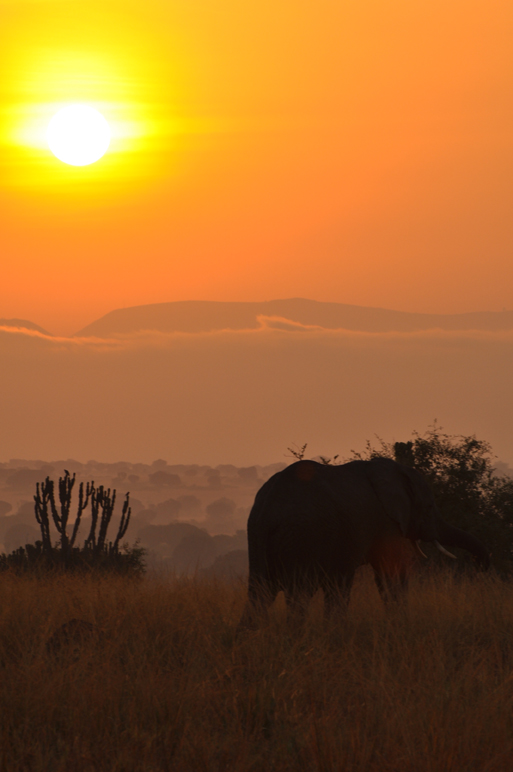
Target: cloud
x,y
267,324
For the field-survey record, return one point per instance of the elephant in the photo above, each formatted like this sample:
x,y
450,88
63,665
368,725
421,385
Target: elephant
x,y
312,525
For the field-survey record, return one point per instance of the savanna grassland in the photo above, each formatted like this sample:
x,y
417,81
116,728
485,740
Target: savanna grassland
x,y
158,679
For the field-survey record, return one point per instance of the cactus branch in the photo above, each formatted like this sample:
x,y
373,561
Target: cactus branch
x,y
41,500
125,519
82,504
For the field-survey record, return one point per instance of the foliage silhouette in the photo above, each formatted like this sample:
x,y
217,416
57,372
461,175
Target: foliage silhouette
x,y
468,491
96,552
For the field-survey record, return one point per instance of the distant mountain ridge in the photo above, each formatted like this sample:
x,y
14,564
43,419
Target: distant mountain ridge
x,y
23,324
208,315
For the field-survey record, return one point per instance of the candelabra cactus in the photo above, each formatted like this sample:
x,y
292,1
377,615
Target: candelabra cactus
x,y
45,500
96,550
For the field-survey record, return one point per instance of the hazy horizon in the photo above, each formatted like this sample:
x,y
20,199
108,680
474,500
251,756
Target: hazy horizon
x,y
244,396
207,315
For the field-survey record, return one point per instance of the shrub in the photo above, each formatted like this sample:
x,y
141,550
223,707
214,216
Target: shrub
x,y
97,552
469,492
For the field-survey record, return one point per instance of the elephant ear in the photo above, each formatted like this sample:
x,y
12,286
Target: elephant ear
x,y
406,498
392,493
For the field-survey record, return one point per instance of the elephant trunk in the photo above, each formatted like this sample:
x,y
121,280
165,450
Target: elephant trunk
x,y
450,536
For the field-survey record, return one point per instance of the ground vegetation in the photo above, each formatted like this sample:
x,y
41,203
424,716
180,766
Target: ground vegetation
x,y
108,675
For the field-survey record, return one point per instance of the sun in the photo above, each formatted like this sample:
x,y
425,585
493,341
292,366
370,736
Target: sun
x,y
78,135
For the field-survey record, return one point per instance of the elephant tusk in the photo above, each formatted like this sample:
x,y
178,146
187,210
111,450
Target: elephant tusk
x,y
417,544
444,551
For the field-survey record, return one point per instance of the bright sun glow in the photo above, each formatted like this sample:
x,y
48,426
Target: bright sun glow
x,y
78,135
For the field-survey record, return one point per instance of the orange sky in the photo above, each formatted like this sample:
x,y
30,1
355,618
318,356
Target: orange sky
x,y
349,150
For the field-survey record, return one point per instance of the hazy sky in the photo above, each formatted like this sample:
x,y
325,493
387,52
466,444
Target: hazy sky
x,y
245,396
348,150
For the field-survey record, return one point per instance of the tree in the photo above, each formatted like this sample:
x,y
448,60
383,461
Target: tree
x,y
96,551
467,488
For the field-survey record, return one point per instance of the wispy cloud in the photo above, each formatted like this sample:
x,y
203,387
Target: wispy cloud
x,y
270,327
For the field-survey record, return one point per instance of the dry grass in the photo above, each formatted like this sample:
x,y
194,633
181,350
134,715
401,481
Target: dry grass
x,y
159,682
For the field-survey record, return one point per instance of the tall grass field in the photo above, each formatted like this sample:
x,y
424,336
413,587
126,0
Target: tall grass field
x,y
154,678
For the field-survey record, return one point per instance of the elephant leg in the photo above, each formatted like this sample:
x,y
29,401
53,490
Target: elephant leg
x,y
297,599
336,597
391,587
260,596
393,561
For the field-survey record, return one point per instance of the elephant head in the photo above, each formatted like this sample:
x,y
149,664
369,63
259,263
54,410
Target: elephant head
x,y
408,500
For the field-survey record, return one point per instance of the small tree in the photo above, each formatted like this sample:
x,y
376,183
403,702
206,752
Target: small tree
x,y
467,489
298,452
45,502
96,551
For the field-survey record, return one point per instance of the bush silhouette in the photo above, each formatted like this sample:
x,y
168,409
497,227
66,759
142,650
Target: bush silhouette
x,y
96,552
469,492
